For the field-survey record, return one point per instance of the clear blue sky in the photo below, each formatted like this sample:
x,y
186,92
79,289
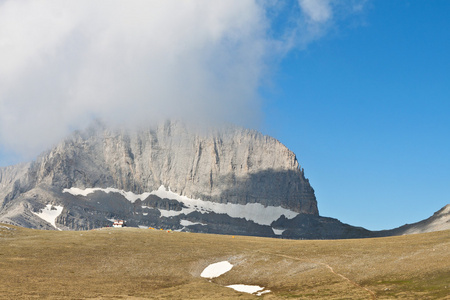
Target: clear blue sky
x,y
367,111
359,90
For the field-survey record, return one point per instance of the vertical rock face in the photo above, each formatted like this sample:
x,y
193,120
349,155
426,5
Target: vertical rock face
x,y
228,181
10,181
227,166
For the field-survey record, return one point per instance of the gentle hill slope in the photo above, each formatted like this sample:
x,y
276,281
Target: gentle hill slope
x,y
143,263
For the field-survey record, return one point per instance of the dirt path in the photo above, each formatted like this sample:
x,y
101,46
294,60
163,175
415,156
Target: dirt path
x,y
372,294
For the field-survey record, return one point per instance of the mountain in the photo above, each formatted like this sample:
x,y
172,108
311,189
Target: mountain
x,y
229,181
233,169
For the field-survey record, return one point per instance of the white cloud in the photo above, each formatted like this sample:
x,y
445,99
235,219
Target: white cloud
x,y
316,10
63,63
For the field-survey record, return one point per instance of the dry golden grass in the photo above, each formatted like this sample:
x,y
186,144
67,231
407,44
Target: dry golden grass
x,y
141,264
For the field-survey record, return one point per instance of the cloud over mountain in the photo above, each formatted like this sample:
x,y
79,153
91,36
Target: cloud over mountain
x,y
64,63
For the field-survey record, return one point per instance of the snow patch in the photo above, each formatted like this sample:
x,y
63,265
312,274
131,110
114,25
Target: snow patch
x,y
173,213
216,269
50,213
278,231
251,289
263,292
256,212
189,223
130,196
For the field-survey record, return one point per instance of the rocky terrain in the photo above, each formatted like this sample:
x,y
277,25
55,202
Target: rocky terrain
x,y
228,181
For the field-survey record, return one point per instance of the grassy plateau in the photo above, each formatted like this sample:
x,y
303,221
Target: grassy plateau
x,y
131,263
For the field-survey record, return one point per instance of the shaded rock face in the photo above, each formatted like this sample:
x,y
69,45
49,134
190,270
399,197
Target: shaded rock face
x,y
316,227
233,165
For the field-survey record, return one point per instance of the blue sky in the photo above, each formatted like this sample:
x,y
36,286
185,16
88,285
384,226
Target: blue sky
x,y
359,90
367,111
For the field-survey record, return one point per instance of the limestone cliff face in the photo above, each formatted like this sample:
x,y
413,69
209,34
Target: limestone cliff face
x,y
256,173
10,181
232,165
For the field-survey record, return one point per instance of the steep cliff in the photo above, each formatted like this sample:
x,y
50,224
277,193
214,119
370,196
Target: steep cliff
x,y
228,181
230,166
227,166
10,181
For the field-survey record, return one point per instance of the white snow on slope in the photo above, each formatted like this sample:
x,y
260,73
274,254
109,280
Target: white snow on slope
x,y
48,214
171,213
278,231
189,223
216,269
255,212
251,289
263,292
130,196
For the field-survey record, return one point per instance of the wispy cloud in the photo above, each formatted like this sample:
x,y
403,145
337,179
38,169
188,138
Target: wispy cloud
x,y
63,63
317,11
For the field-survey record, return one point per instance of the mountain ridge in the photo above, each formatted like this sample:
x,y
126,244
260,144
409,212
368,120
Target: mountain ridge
x,y
206,176
234,165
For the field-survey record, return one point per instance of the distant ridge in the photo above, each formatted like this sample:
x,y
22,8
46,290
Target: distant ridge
x,y
440,220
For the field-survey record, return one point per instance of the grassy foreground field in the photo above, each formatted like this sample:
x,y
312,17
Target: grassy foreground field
x,y
144,263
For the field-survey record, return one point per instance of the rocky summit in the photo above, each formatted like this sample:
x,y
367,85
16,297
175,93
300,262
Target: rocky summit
x,y
227,181
231,169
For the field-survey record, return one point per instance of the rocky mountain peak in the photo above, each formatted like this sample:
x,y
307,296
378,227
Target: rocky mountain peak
x,y
234,165
227,166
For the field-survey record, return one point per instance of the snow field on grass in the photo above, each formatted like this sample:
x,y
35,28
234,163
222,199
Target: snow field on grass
x,y
250,289
220,268
216,269
49,215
